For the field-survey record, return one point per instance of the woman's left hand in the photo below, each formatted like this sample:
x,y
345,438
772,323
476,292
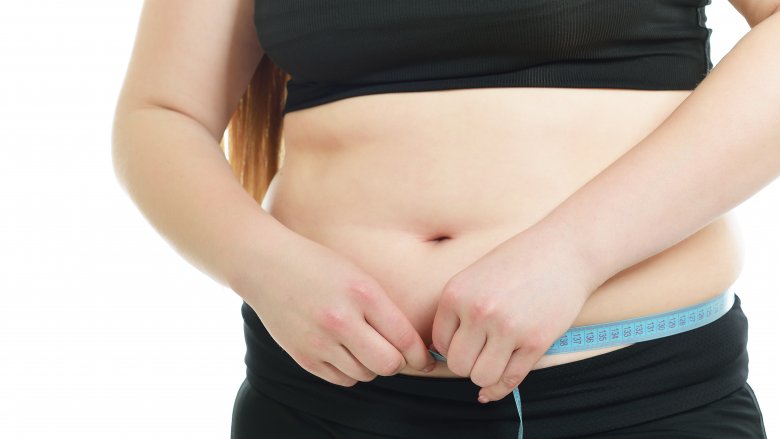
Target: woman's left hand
x,y
497,317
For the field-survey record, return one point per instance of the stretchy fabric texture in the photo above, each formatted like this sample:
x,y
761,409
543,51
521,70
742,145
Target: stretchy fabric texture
x,y
688,385
335,49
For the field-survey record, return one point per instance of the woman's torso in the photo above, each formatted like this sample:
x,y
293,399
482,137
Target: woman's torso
x,y
379,177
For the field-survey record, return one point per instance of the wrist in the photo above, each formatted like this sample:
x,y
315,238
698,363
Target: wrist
x,y
571,245
262,246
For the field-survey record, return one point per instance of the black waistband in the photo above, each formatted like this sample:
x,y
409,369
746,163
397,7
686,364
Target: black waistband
x,y
635,384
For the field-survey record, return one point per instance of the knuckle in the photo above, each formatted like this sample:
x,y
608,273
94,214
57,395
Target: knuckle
x,y
511,380
362,291
508,326
406,338
451,295
533,341
333,320
390,367
482,309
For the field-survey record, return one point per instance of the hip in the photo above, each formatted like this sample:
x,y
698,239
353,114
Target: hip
x,y
691,384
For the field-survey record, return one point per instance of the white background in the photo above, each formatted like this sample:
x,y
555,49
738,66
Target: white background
x,y
105,331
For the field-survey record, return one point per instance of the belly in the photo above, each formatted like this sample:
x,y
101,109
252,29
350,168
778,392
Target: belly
x,y
414,187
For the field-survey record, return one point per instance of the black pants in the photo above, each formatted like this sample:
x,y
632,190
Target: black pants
x,y
689,385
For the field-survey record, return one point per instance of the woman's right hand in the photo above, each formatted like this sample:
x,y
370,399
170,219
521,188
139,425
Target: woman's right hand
x,y
332,317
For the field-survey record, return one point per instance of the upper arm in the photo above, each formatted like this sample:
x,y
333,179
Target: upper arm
x,y
193,56
755,11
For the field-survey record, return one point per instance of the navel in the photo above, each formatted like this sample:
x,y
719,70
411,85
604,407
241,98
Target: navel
x,y
439,238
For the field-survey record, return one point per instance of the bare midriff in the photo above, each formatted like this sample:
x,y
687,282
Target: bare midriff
x,y
416,186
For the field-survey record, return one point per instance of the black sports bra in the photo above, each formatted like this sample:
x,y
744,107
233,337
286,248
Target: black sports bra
x,y
335,49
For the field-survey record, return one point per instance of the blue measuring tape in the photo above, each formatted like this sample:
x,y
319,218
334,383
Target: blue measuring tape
x,y
629,331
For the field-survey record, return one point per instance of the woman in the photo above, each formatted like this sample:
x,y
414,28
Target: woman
x,y
461,184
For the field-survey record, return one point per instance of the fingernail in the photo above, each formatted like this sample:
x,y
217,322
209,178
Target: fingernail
x,y
483,399
429,367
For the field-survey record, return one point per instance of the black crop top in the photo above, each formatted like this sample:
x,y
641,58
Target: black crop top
x,y
334,49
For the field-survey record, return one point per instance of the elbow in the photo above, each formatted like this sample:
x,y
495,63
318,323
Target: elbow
x,y
118,151
123,137
760,12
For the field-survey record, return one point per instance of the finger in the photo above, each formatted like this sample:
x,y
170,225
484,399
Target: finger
x,y
520,363
374,351
445,323
492,361
464,349
351,366
384,316
332,374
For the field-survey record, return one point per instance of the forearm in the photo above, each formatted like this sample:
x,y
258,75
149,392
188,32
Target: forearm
x,y
174,171
717,149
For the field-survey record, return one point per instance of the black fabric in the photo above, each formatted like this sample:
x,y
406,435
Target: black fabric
x,y
689,385
737,415
334,49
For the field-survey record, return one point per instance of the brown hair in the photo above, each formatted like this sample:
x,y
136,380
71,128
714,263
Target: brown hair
x,y
254,132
